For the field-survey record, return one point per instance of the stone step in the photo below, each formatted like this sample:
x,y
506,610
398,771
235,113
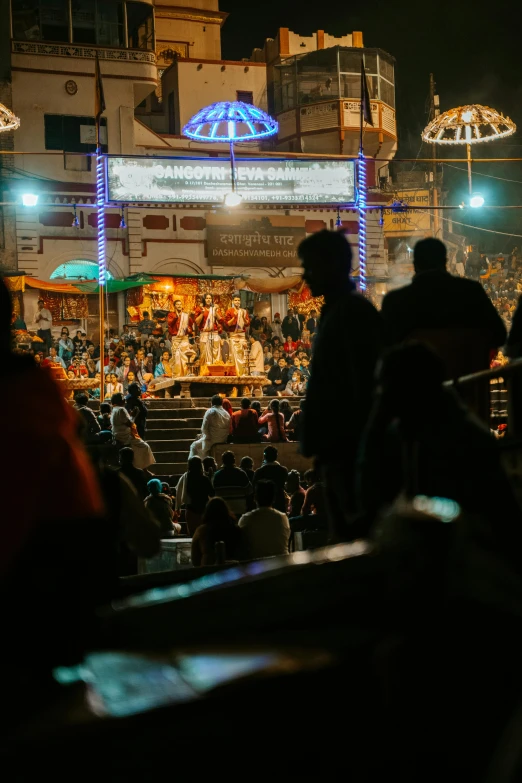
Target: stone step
x,y
175,413
166,434
168,444
178,424
168,468
172,456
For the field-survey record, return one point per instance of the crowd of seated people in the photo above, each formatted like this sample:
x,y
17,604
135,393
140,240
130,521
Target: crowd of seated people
x,y
142,354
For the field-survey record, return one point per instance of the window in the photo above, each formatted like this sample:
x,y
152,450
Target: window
x,y
98,22
39,20
73,134
140,28
244,96
387,93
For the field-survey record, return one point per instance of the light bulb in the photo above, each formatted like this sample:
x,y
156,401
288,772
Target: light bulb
x,y
29,199
232,199
476,201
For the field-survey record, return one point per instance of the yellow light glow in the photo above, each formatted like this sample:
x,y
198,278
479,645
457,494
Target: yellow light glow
x,y
471,124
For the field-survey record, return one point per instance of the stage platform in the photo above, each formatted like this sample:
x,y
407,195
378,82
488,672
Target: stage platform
x,y
207,385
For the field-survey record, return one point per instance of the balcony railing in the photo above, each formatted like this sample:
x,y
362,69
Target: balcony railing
x,y
88,52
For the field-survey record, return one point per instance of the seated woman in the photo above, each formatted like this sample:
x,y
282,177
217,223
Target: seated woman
x,y
136,408
126,434
296,386
256,406
163,370
193,491
159,506
217,524
276,423
286,410
112,386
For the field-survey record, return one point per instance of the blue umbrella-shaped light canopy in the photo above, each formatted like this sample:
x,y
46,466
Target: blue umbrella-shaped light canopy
x,y
230,121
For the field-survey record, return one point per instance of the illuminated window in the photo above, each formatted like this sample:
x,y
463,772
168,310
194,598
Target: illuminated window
x,y
78,270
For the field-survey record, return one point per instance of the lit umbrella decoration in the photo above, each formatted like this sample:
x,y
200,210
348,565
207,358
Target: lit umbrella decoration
x,y
468,125
8,121
230,122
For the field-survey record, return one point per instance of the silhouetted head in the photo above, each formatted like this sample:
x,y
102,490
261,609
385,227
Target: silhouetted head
x,y
134,389
217,513
429,255
228,458
105,407
326,258
247,463
293,481
270,453
217,401
245,403
256,406
274,407
209,465
195,465
117,399
82,399
126,457
265,493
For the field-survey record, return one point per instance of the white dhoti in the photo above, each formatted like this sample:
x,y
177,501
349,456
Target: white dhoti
x,y
238,346
143,456
214,429
210,351
182,351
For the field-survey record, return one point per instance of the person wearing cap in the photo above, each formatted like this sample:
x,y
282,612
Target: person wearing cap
x,y
44,321
276,327
326,258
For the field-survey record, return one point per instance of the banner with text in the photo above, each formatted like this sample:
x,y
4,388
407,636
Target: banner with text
x,y
413,222
241,240
262,181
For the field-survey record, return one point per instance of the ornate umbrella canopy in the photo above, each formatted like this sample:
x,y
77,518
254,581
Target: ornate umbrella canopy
x,y
8,121
230,121
468,125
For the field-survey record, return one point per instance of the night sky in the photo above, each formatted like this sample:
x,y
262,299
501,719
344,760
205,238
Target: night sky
x,y
474,54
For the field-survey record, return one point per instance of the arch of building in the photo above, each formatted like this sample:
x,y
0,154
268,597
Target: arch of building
x,y
176,266
63,258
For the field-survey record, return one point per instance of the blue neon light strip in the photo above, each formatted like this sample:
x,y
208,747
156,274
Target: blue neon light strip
x,y
361,204
100,203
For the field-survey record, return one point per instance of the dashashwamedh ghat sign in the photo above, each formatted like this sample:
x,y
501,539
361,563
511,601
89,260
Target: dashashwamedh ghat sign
x,y
203,180
265,240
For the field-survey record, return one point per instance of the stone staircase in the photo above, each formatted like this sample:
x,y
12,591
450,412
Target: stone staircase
x,y
172,425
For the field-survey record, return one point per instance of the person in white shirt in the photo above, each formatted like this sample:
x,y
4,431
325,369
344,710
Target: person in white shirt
x,y
257,360
214,429
44,321
265,532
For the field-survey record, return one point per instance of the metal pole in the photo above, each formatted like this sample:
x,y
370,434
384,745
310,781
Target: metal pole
x,y
435,222
100,203
468,146
232,167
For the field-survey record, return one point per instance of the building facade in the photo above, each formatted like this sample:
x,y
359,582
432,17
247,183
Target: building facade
x,y
160,63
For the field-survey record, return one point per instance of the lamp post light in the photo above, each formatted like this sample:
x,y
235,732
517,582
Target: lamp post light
x,y
472,124
230,122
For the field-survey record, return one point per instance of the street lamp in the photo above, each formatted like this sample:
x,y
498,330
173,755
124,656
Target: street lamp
x,y
473,124
230,122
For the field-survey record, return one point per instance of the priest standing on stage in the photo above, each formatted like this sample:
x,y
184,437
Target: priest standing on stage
x,y
236,320
208,322
181,327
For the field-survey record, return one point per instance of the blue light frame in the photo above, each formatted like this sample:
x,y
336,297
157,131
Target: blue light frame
x,y
204,125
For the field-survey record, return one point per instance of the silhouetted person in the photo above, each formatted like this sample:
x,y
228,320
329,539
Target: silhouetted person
x,y
452,315
346,316
421,440
436,301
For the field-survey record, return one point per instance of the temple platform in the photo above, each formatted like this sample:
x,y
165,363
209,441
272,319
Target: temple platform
x,y
207,385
